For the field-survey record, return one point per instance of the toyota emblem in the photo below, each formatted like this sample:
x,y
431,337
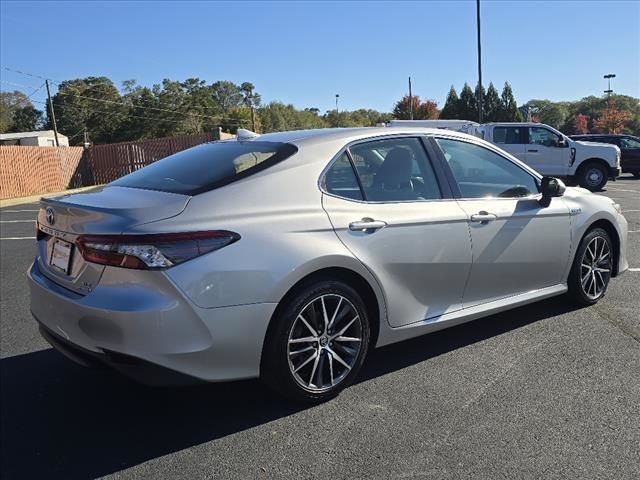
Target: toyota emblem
x,y
51,216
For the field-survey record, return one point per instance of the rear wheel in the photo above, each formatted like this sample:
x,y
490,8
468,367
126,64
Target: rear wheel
x,y
592,267
593,176
318,342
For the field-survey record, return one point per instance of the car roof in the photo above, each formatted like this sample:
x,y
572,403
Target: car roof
x,y
346,135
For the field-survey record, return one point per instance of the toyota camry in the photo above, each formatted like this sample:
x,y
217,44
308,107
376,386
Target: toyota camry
x,y
289,256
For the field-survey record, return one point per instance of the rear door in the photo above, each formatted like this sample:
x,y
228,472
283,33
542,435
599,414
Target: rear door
x,y
545,154
397,216
511,139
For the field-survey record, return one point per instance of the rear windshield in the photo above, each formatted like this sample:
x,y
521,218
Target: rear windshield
x,y
207,166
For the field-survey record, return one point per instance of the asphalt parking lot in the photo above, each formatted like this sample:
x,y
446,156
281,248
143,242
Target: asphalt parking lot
x,y
544,391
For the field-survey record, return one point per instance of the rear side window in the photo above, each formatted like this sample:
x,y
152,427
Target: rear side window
x,y
508,135
341,180
208,166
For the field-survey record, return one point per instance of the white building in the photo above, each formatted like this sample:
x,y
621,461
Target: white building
x,y
45,138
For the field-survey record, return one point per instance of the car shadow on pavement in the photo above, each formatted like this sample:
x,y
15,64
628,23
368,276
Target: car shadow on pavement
x,y
62,420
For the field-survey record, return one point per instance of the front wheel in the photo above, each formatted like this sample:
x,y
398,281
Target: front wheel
x,y
591,269
318,342
593,177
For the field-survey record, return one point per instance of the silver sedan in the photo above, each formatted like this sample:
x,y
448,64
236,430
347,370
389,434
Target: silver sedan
x,y
288,256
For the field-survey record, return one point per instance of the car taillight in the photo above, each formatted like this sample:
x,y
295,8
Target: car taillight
x,y
152,251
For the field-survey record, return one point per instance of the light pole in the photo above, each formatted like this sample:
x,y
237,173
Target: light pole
x,y
480,100
608,77
337,112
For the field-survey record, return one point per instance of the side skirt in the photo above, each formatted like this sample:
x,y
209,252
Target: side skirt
x,y
393,335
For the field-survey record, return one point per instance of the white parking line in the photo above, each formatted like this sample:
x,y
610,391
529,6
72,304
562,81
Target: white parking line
x,y
17,238
634,269
633,231
621,190
17,221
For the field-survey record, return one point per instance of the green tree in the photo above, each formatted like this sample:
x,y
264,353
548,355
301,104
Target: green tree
x,y
493,105
9,103
549,113
509,111
26,119
451,109
92,104
479,105
467,109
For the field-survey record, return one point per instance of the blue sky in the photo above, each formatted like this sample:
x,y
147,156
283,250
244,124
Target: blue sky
x,y
306,52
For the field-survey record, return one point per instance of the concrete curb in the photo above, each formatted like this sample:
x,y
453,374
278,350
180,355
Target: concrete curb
x,y
10,202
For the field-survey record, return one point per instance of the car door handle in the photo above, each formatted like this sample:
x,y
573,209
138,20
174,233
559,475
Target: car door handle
x,y
483,217
367,224
532,151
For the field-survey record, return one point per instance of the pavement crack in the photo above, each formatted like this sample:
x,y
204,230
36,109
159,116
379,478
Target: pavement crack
x,y
624,328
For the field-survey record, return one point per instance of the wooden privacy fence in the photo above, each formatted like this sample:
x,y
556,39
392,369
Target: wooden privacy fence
x,y
105,163
35,170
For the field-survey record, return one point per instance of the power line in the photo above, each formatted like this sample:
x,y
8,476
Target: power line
x,y
140,117
112,101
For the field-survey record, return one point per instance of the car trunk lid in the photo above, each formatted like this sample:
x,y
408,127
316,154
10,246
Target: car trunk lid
x,y
104,211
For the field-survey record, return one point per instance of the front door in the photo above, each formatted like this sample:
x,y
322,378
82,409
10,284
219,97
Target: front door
x,y
518,246
392,216
545,154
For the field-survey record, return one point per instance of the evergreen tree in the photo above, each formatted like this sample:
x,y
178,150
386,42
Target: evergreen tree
x,y
510,112
466,104
493,104
451,111
476,103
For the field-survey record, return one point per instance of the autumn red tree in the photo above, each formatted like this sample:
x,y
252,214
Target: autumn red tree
x,y
581,124
612,119
427,110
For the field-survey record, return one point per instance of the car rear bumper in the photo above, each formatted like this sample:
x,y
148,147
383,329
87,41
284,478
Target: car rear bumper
x,y
141,324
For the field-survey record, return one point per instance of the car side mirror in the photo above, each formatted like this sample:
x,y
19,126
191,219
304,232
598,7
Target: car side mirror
x,y
562,142
551,187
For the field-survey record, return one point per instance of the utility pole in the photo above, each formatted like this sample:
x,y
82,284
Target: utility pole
x,y
410,101
480,100
337,113
53,115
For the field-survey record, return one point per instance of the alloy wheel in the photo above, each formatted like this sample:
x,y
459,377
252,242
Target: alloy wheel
x,y
324,342
595,268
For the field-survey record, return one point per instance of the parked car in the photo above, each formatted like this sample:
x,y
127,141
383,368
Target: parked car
x,y
288,256
628,145
551,153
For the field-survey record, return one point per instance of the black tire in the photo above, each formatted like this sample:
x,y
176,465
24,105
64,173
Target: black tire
x,y
593,176
586,294
277,370
636,174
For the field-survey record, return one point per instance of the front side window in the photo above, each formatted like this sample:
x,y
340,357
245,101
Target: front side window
x,y
628,143
544,137
508,135
395,169
207,166
480,172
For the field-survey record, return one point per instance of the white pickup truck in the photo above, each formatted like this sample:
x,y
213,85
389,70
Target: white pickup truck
x,y
549,152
